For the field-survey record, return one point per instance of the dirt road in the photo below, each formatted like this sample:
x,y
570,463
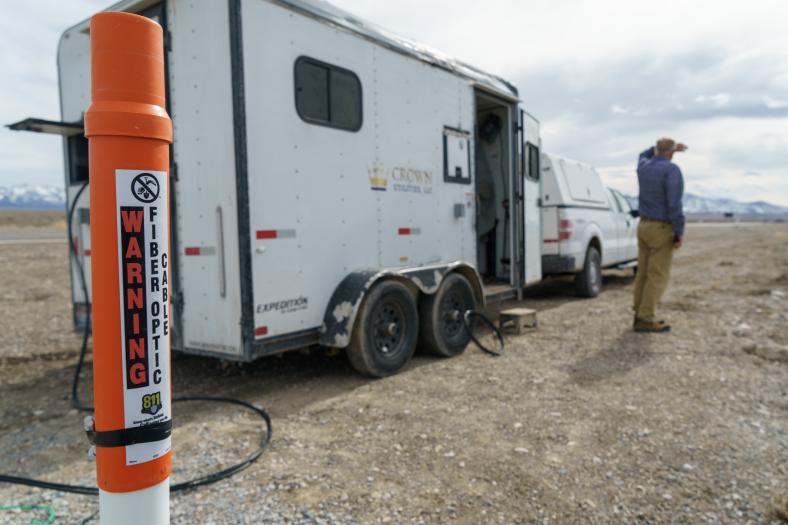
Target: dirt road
x,y
582,421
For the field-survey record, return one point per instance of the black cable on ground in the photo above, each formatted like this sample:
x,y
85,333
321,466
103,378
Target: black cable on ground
x,y
178,487
76,403
40,484
468,323
238,467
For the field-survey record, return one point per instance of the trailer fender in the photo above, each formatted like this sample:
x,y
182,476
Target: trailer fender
x,y
340,314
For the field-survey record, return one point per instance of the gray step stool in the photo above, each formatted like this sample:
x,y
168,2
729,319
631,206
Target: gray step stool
x,y
521,319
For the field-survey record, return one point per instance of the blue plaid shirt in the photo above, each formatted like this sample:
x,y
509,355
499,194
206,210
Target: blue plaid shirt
x,y
661,190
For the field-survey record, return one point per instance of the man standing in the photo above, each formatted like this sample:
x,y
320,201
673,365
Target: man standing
x,y
660,231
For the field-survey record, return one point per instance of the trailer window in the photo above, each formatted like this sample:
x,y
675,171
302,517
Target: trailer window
x,y
77,158
327,95
531,161
456,156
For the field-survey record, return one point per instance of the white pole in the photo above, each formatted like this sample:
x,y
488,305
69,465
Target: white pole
x,y
142,507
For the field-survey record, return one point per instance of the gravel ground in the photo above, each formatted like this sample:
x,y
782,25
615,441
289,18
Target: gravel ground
x,y
582,421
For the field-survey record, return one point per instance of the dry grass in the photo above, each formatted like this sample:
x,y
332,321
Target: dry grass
x,y
32,219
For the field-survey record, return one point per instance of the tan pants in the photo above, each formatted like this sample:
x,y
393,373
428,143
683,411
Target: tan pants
x,y
655,255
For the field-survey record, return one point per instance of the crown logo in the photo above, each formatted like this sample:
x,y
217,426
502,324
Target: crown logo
x,y
377,176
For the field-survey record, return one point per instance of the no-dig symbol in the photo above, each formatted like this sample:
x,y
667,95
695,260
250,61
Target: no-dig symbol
x,y
145,187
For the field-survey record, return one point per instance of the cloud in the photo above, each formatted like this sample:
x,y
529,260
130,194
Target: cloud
x,y
29,35
607,112
773,103
604,86
738,158
720,100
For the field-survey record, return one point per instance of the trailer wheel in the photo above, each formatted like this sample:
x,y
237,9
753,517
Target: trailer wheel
x,y
588,283
386,330
441,315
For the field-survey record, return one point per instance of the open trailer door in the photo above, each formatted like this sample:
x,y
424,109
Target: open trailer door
x,y
74,85
76,166
532,215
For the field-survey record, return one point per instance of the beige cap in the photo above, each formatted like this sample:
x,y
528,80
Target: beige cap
x,y
666,145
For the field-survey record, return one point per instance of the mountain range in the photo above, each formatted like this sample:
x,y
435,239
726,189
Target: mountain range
x,y
47,197
32,197
707,206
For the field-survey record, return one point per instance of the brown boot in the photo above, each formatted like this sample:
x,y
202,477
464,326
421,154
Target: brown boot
x,y
635,321
651,327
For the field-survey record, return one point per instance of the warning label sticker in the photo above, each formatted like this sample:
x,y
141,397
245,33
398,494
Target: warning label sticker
x,y
143,255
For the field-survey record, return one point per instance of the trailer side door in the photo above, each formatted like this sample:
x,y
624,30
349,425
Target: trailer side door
x,y
205,228
530,172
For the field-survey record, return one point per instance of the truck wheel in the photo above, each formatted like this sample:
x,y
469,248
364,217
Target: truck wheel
x,y
386,330
441,315
588,283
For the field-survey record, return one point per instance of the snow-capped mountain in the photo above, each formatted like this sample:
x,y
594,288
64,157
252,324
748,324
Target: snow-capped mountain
x,y
697,205
47,197
32,197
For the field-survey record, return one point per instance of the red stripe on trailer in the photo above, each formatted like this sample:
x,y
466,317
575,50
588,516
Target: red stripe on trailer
x,y
551,240
199,250
403,231
260,331
286,233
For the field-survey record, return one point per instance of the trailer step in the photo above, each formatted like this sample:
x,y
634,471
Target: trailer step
x,y
521,320
498,293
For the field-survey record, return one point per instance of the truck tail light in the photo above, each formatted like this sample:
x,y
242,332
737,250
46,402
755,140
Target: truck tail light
x,y
565,230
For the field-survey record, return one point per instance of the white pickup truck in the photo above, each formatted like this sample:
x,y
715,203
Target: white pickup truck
x,y
585,226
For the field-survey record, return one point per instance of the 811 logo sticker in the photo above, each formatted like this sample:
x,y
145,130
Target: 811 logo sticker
x,y
143,255
151,403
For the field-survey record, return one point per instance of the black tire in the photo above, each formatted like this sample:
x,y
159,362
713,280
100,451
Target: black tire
x,y
441,314
385,332
588,283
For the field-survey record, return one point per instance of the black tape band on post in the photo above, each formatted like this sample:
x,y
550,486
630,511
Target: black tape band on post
x,y
131,436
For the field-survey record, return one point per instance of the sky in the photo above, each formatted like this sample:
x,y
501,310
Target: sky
x,y
606,78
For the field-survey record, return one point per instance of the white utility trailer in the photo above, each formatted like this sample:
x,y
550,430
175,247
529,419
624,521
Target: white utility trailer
x,y
331,183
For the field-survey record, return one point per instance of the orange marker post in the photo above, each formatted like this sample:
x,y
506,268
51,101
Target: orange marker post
x,y
129,134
